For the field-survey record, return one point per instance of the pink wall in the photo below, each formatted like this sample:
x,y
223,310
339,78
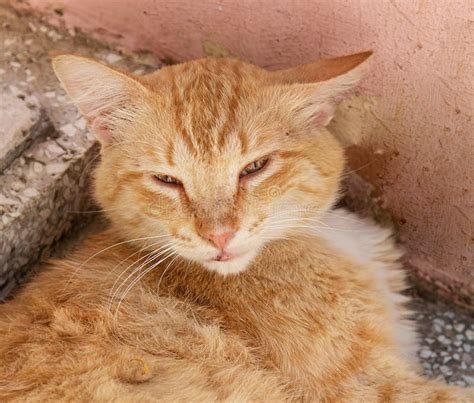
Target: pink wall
x,y
419,144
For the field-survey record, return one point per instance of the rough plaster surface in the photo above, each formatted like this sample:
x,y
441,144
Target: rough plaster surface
x,y
417,150
44,192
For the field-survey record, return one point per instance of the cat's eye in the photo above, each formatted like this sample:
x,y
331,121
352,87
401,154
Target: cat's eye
x,y
166,179
254,167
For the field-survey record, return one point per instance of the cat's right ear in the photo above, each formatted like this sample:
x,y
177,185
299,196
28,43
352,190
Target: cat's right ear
x,y
313,90
106,97
320,70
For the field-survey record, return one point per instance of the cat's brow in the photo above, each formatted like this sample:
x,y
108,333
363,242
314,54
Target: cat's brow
x,y
205,101
232,104
170,153
177,105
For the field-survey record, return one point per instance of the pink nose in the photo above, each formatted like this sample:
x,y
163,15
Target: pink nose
x,y
220,240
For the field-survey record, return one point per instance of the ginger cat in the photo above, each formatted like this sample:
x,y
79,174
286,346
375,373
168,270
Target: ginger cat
x,y
225,274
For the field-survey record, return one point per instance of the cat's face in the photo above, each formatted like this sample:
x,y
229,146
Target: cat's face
x,y
211,159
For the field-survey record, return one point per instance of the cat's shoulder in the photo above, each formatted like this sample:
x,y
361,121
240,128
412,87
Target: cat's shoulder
x,y
374,248
360,239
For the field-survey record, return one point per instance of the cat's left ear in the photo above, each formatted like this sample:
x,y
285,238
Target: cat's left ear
x,y
315,89
108,99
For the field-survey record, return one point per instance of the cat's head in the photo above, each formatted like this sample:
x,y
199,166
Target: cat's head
x,y
212,159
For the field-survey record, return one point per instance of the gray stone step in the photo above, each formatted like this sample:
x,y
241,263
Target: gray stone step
x,y
46,152
21,122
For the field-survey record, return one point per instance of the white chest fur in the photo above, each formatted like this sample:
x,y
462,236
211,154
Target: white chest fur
x,y
369,245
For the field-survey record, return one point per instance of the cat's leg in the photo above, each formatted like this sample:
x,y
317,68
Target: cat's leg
x,y
387,379
372,246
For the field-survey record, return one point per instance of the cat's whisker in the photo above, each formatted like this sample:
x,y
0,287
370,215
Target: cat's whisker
x,y
292,228
78,268
286,228
186,297
156,256
275,238
135,281
145,246
130,256
289,229
288,222
339,216
149,258
162,274
356,230
119,244
291,219
114,290
320,212
292,213
318,221
314,210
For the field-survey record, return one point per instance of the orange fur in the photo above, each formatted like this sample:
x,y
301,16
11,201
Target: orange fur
x,y
307,309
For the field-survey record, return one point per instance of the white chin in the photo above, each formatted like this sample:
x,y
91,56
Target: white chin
x,y
234,266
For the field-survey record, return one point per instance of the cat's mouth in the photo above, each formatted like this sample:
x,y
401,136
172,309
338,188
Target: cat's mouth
x,y
226,262
225,257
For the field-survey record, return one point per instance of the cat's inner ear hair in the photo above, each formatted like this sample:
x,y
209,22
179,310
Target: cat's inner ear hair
x,y
315,89
103,95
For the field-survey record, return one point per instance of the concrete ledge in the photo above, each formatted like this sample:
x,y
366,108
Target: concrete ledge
x,y
21,122
39,202
46,153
